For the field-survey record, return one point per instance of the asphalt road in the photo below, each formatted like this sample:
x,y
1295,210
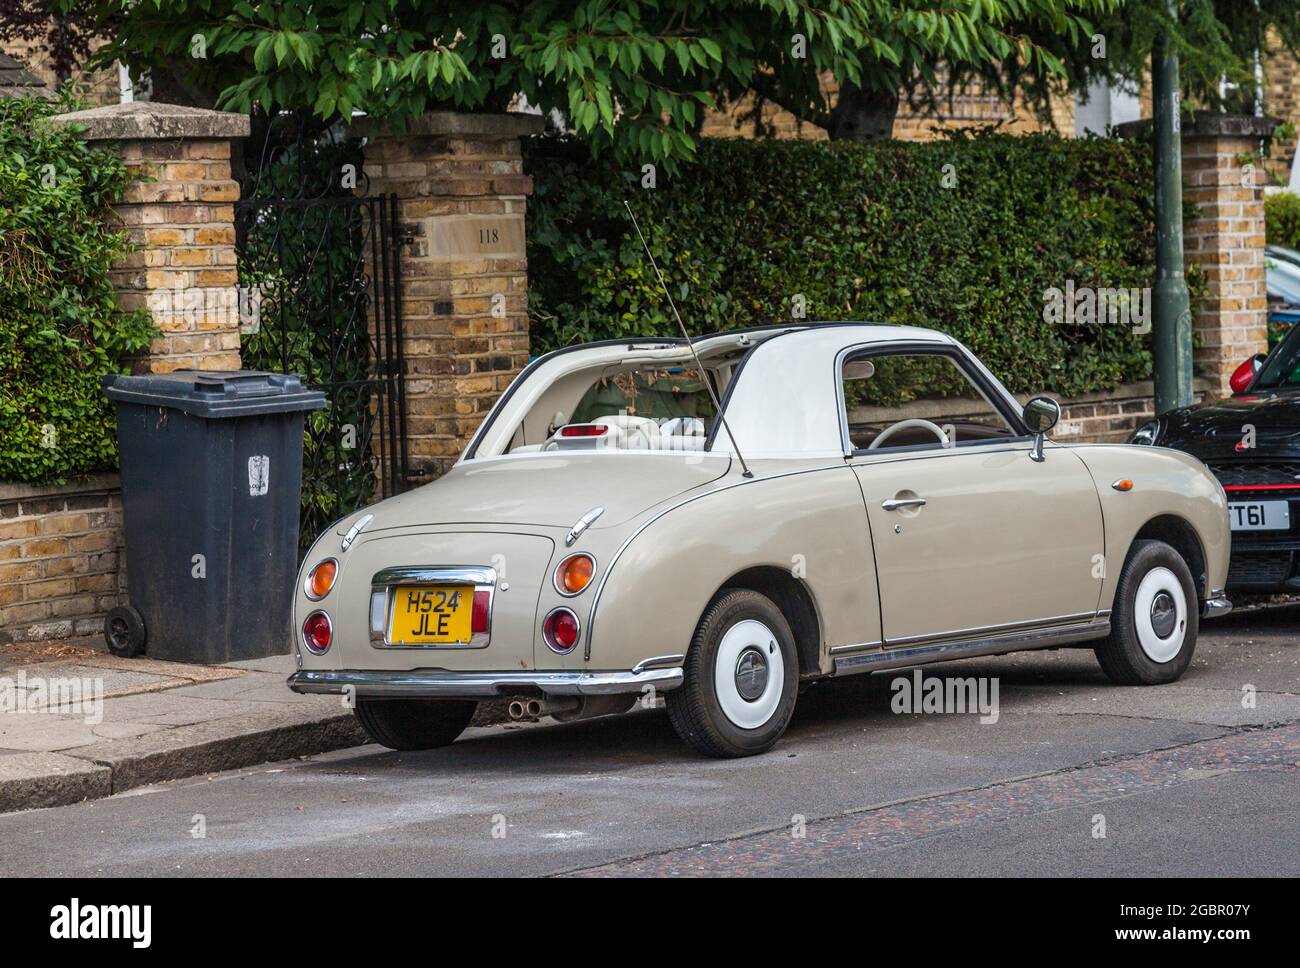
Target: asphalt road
x,y
1182,780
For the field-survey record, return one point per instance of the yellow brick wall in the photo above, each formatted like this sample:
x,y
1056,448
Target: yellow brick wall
x,y
459,355
60,563
101,87
184,269
973,108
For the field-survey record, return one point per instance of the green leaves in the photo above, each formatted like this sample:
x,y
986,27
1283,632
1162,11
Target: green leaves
x,y
60,327
626,76
862,232
1282,219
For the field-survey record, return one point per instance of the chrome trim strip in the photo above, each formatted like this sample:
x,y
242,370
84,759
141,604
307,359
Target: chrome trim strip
x,y
658,661
355,530
1214,607
581,525
436,575
483,578
970,648
434,683
984,629
855,647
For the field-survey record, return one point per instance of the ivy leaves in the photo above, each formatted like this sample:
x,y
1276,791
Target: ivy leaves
x,y
60,326
864,232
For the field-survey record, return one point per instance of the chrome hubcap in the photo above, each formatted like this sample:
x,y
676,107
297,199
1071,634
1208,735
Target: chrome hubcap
x,y
1164,615
748,674
751,675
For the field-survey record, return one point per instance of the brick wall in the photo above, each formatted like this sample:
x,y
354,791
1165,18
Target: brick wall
x,y
99,87
59,558
182,218
972,108
1111,416
1225,237
1281,100
461,193
184,271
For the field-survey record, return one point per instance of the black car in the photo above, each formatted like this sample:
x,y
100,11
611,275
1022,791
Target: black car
x,y
1251,443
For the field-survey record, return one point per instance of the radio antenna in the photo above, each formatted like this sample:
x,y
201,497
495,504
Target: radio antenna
x,y
704,377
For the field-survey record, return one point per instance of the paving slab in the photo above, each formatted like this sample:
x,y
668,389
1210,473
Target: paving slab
x,y
149,720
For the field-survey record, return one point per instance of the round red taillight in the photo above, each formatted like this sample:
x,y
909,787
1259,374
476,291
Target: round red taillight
x,y
316,632
560,630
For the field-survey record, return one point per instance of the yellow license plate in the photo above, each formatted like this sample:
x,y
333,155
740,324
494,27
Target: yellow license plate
x,y
431,614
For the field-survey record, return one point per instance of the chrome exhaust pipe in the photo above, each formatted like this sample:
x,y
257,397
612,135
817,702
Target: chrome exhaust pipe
x,y
568,709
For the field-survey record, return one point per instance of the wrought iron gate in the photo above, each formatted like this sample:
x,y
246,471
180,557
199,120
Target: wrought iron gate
x,y
321,286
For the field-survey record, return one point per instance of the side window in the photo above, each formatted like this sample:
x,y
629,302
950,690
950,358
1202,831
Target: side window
x,y
881,391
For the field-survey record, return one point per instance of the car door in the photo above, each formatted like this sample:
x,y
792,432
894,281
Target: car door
x,y
977,536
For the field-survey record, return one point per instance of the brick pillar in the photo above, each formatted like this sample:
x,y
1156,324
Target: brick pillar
x,y
461,194
183,223
1224,236
1223,179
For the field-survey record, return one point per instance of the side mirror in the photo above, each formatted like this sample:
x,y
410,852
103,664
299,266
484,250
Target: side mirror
x,y
1244,375
1041,415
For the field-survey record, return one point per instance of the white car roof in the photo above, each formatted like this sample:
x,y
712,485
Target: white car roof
x,y
784,399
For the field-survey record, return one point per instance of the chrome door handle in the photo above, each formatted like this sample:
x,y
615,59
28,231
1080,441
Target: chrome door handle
x,y
893,504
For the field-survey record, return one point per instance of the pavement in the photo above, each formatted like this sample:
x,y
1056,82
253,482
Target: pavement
x,y
78,723
1077,777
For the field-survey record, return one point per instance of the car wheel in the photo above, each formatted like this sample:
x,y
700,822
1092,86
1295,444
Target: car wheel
x,y
1154,623
741,678
414,724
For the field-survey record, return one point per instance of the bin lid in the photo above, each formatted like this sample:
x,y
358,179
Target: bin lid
x,y
216,393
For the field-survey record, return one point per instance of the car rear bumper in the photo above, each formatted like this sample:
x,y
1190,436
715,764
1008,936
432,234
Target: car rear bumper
x,y
437,683
1216,606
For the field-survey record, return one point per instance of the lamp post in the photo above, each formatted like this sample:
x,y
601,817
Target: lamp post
x,y
1171,336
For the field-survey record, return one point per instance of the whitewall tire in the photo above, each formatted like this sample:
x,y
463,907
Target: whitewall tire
x,y
1155,618
741,678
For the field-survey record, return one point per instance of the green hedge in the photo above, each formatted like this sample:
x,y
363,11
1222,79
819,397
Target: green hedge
x,y
1282,219
862,232
60,328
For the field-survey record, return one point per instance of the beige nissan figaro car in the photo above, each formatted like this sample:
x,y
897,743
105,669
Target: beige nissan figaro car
x,y
869,498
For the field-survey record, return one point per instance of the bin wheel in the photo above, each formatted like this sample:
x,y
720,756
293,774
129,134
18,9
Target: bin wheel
x,y
124,632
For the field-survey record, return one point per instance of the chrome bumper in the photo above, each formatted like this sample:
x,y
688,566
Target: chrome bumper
x,y
480,685
1216,606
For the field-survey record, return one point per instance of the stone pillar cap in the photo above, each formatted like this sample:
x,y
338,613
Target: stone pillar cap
x,y
1208,124
513,124
153,120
